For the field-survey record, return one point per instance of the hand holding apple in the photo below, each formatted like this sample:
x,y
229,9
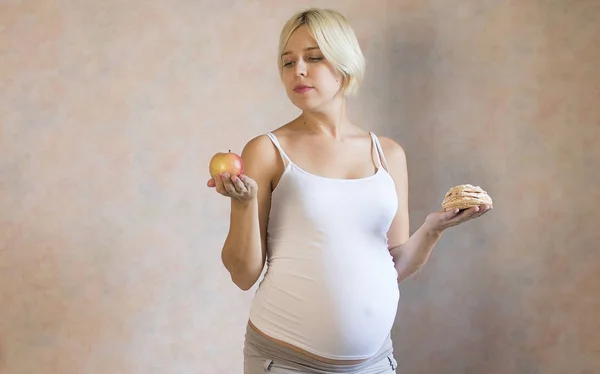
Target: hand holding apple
x,y
226,163
226,171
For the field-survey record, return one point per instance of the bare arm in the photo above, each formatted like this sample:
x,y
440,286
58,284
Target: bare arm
x,y
411,253
408,256
244,251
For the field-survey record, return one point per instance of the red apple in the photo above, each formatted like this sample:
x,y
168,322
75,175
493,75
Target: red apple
x,y
226,163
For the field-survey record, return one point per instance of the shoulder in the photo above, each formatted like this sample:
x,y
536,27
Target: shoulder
x,y
260,149
262,158
258,142
396,164
393,151
261,146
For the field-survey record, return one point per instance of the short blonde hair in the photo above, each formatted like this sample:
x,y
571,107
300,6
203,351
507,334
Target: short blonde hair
x,y
335,38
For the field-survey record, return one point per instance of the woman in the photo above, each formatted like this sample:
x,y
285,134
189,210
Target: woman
x,y
327,204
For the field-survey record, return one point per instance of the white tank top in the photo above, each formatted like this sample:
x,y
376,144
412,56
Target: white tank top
x,y
331,286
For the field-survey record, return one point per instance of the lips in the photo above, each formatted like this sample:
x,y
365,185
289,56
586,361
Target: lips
x,y
301,88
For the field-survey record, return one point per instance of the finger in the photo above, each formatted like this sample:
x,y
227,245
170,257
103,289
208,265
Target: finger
x,y
449,214
219,185
248,182
463,215
211,183
240,187
483,209
471,213
245,179
228,185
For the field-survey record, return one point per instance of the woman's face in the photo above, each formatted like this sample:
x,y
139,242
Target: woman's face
x,y
310,80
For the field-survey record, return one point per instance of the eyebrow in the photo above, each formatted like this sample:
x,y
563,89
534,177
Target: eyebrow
x,y
305,49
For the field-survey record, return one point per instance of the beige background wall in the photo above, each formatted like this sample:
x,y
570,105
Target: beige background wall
x,y
109,239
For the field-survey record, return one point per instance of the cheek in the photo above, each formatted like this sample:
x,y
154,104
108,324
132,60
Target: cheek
x,y
288,79
334,82
335,78
328,76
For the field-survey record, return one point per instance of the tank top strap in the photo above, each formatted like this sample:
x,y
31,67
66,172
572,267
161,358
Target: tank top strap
x,y
381,161
284,156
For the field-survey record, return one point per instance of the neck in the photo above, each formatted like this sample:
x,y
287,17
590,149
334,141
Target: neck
x,y
331,121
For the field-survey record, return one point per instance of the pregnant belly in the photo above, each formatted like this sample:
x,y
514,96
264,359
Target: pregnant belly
x,y
337,315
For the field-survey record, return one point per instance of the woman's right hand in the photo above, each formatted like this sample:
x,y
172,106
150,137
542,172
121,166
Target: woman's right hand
x,y
242,188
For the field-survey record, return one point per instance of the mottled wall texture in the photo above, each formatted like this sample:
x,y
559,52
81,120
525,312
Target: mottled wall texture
x,y
110,240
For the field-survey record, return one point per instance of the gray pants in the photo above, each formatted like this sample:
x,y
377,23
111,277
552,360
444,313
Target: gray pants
x,y
264,356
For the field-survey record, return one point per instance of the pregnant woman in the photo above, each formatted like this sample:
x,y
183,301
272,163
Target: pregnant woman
x,y
324,204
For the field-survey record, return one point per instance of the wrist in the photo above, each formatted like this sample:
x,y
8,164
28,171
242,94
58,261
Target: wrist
x,y
242,205
431,230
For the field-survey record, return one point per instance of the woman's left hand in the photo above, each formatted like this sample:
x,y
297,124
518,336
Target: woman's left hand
x,y
439,221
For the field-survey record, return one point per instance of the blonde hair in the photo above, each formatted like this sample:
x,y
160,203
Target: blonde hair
x,y
335,38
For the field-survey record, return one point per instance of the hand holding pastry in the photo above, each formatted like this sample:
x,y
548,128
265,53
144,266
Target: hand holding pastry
x,y
461,203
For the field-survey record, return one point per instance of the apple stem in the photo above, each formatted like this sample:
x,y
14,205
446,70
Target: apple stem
x,y
230,151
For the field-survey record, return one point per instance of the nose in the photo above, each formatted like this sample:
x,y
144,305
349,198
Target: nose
x,y
300,68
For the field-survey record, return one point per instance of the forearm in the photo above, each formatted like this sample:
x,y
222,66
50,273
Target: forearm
x,y
412,255
242,252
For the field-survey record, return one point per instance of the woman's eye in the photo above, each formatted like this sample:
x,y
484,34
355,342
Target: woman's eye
x,y
309,59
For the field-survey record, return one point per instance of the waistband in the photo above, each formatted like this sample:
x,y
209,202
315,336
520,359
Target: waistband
x,y
297,360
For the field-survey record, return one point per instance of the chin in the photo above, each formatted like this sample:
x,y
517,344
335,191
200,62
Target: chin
x,y
310,104
305,104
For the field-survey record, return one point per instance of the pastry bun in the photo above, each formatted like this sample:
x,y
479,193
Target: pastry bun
x,y
465,196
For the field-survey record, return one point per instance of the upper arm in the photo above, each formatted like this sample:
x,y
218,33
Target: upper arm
x,y
260,159
399,231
